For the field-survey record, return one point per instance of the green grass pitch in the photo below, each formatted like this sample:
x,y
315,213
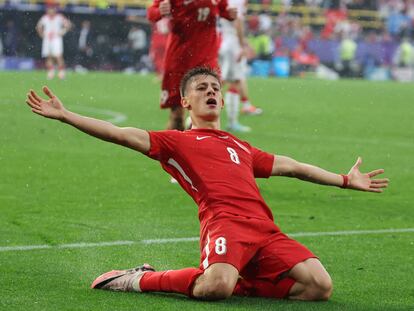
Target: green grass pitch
x,y
58,186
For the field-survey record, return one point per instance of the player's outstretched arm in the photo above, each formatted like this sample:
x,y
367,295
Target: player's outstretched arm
x,y
285,166
53,108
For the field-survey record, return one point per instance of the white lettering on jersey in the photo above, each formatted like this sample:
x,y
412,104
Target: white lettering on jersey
x,y
241,146
174,163
203,14
233,155
221,247
164,96
207,251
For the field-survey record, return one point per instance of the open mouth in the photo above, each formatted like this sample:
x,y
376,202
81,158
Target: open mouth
x,y
212,101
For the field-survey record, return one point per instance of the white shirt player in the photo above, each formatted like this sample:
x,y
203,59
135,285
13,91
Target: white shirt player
x,y
228,30
232,66
52,27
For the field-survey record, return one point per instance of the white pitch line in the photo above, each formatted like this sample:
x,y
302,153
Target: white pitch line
x,y
23,248
192,239
115,117
351,232
162,241
98,244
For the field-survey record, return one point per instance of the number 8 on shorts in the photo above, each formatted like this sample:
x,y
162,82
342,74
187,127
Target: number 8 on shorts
x,y
221,247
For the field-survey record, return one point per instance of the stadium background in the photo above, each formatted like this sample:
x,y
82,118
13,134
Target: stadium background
x,y
72,207
300,34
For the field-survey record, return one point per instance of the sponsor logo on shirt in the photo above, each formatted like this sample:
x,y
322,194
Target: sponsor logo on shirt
x,y
202,137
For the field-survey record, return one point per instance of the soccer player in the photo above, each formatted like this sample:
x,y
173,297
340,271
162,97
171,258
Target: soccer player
x,y
158,44
243,252
51,27
192,41
233,68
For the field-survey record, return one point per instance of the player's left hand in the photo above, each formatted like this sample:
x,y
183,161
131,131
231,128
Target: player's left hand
x,y
232,13
365,181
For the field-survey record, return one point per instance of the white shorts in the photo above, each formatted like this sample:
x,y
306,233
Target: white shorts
x,y
232,67
52,48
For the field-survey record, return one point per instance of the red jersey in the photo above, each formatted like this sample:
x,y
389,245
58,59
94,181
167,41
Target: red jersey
x,y
160,32
193,38
216,169
158,43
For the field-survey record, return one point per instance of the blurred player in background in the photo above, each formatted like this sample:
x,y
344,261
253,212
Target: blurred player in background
x,y
51,27
85,53
192,42
138,45
158,44
243,252
233,68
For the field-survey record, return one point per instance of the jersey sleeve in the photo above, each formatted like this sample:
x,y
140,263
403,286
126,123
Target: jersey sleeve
x,y
162,145
153,11
262,163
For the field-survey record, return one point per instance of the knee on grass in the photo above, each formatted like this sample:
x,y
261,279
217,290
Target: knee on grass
x,y
218,288
319,288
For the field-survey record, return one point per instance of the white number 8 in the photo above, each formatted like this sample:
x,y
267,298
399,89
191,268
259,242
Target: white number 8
x,y
233,155
221,247
203,14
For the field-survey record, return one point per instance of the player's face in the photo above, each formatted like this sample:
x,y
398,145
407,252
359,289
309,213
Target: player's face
x,y
204,99
51,11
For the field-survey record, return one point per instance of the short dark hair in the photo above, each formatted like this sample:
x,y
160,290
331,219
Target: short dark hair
x,y
207,71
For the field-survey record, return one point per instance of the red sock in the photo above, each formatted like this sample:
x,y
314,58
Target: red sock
x,y
244,99
176,281
260,288
233,90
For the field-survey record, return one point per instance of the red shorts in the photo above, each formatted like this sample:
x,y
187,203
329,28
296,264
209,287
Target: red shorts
x,y
255,247
157,57
170,89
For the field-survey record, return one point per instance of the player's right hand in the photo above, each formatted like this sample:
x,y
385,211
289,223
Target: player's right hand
x,y
165,8
232,13
51,108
